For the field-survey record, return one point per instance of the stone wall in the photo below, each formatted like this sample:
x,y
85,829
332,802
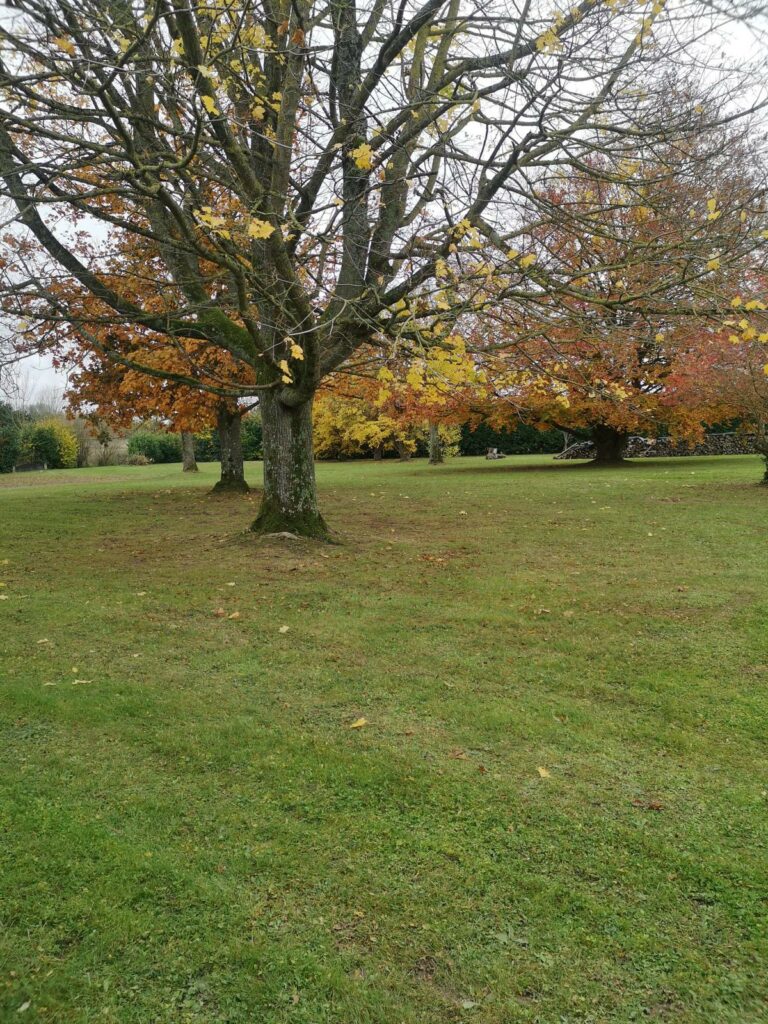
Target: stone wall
x,y
668,447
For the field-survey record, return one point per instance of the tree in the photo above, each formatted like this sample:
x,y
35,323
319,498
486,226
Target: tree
x,y
188,461
730,372
305,172
111,392
651,270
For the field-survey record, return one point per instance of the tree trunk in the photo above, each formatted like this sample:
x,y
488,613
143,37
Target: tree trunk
x,y
232,468
378,453
762,447
188,462
289,502
403,451
609,445
435,446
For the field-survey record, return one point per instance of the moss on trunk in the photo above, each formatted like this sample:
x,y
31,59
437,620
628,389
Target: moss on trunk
x,y
289,503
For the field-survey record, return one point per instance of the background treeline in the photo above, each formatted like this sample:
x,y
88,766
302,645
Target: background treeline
x,y
41,436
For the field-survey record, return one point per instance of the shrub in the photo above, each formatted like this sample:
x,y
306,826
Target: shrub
x,y
155,446
138,460
207,447
10,439
52,442
523,440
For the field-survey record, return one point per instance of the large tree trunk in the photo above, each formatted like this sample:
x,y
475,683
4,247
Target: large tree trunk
x,y
289,502
609,445
435,445
378,453
232,468
188,461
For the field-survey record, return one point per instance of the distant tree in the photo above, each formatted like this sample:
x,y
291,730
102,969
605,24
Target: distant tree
x,y
10,438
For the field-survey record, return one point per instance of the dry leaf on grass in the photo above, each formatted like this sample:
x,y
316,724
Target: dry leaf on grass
x,y
544,773
359,723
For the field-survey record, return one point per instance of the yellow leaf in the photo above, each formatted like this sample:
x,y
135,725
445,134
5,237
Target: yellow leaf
x,y
65,44
297,352
363,156
234,615
283,629
544,773
260,228
359,723
736,302
526,261
711,205
713,264
210,105
285,370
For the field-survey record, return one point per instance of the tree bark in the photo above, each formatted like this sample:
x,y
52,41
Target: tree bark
x,y
609,445
188,461
289,502
403,451
762,447
435,446
232,468
378,453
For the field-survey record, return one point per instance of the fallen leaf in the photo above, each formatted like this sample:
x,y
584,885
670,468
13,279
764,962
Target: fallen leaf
x,y
359,723
45,640
24,1006
458,754
283,629
234,615
141,593
544,773
648,805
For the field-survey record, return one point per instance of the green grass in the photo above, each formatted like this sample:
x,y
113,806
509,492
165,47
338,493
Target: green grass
x,y
190,832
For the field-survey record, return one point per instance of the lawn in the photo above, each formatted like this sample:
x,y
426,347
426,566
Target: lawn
x,y
555,812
